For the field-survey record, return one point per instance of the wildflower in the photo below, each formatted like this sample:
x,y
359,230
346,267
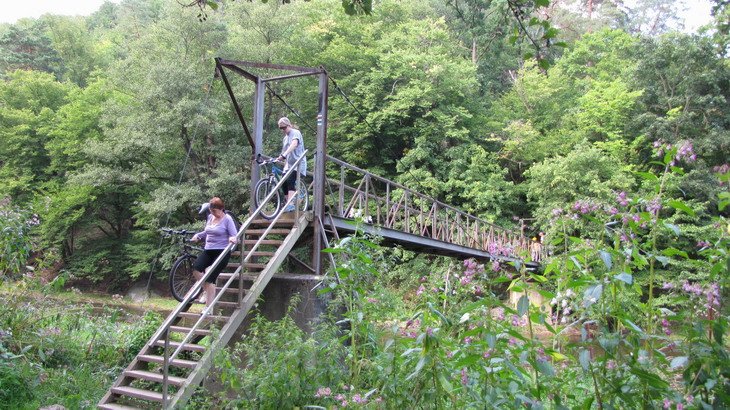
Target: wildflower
x,y
323,392
487,354
464,377
515,320
621,199
654,206
512,341
611,364
703,244
557,212
420,290
378,399
667,286
478,291
372,300
340,397
468,340
344,403
689,399
358,399
667,404
429,331
499,313
495,266
423,279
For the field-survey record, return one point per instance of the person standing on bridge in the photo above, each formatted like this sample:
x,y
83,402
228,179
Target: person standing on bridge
x,y
292,149
220,230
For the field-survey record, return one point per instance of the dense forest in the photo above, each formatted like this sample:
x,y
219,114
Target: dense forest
x,y
600,125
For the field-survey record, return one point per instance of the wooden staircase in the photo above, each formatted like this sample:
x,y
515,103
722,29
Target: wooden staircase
x,y
174,362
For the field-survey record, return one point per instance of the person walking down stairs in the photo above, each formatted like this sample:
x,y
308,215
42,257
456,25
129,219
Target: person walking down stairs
x,y
220,230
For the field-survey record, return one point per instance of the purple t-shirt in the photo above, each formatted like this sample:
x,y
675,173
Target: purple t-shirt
x,y
216,236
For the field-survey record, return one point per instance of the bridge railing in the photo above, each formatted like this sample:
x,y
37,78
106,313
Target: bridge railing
x,y
352,192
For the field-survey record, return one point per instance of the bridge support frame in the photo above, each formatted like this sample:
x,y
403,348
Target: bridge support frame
x,y
256,140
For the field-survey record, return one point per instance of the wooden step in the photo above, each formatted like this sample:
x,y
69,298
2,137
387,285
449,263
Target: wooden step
x,y
260,253
116,406
230,291
137,393
224,304
150,358
247,265
154,377
275,242
274,231
196,316
183,329
266,222
188,346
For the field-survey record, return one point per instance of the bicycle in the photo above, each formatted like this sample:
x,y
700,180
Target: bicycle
x,y
181,274
268,182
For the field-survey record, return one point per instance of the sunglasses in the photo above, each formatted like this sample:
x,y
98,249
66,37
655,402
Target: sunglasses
x,y
283,128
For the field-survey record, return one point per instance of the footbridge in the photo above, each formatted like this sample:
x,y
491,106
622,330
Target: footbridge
x,y
344,198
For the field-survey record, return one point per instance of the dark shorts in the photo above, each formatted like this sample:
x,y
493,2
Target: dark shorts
x,y
206,258
291,183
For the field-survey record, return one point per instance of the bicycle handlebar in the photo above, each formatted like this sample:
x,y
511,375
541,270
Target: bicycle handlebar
x,y
181,232
265,160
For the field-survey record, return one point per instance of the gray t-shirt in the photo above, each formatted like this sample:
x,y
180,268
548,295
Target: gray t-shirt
x,y
298,151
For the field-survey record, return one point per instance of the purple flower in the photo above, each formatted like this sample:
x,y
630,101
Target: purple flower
x,y
323,392
420,290
667,404
468,340
621,199
654,206
358,399
464,377
668,286
611,364
495,266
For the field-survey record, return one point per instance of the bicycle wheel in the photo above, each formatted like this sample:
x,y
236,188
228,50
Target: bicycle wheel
x,y
181,277
263,187
302,195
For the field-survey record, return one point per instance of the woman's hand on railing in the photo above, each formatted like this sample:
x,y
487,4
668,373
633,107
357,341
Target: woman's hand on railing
x,y
233,240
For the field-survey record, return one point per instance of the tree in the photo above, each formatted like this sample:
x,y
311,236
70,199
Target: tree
x,y
26,46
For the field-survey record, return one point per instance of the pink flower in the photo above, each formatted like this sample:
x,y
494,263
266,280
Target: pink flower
x,y
495,266
323,392
420,290
358,399
667,404
464,377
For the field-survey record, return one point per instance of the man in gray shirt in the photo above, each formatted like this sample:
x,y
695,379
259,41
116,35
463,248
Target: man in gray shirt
x,y
292,149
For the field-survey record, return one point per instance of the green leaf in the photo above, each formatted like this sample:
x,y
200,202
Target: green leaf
x,y
650,378
523,305
584,357
542,3
680,206
607,259
545,368
674,252
662,259
648,176
631,325
679,361
592,294
213,5
439,314
445,383
625,278
673,227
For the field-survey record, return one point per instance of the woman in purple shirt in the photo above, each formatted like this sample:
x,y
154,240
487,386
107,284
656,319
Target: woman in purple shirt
x,y
218,233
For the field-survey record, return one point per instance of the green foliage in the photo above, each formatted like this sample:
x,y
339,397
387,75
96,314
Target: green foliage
x,y
276,365
16,243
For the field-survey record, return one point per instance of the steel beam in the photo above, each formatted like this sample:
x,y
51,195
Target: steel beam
x,y
258,131
271,66
319,171
415,242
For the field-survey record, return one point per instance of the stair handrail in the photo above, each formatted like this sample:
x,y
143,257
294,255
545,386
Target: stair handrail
x,y
244,226
165,327
515,240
